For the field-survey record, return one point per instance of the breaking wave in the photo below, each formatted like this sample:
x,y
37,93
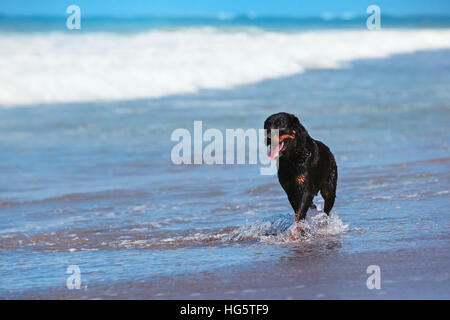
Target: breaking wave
x,y
56,67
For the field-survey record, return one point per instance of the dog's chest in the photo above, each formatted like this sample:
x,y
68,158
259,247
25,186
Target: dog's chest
x,y
290,176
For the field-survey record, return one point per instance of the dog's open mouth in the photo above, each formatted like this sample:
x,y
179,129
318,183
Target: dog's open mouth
x,y
276,151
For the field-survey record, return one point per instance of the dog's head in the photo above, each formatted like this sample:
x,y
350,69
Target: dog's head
x,y
289,131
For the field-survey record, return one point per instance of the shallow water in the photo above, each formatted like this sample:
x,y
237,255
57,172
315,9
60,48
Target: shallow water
x,y
92,185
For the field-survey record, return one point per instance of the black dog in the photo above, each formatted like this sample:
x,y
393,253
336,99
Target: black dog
x,y
306,166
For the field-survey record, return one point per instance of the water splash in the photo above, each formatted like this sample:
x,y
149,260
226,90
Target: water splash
x,y
274,229
281,229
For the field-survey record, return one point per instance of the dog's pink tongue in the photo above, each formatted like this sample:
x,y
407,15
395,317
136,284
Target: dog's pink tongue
x,y
275,153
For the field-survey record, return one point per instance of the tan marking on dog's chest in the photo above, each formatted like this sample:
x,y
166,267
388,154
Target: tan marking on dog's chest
x,y
301,178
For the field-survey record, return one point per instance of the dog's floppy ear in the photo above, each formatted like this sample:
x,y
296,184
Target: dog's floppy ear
x,y
295,121
300,130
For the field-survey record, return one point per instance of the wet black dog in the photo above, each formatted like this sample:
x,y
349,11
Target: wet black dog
x,y
306,166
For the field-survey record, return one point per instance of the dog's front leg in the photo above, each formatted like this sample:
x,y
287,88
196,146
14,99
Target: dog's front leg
x,y
294,197
306,202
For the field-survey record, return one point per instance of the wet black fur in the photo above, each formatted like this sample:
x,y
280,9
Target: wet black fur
x,y
303,157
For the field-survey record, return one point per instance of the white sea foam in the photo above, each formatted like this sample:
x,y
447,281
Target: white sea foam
x,y
61,67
